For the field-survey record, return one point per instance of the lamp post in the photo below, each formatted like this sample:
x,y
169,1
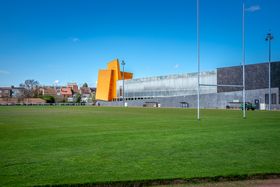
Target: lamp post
x,y
268,38
123,63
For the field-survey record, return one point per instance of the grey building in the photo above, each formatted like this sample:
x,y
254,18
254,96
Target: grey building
x,y
180,90
8,92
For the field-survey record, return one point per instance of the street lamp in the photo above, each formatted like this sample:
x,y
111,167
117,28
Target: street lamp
x,y
268,38
123,63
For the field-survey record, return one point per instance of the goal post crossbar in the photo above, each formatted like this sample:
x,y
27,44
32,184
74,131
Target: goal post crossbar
x,y
222,85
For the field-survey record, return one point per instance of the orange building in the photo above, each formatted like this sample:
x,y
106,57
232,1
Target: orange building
x,y
107,81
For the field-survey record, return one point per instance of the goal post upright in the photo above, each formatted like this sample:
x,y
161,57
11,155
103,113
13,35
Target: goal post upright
x,y
198,61
198,58
243,58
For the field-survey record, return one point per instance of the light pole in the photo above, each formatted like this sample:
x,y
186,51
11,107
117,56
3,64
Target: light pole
x,y
123,63
268,38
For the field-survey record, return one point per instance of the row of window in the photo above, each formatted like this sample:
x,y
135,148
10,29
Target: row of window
x,y
273,98
132,98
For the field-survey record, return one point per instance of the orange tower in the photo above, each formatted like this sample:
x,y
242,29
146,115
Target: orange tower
x,y
107,81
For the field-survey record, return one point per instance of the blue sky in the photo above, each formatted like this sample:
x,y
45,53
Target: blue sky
x,y
69,40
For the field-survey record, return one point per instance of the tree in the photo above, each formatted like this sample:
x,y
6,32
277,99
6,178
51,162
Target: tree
x,y
85,85
78,98
31,88
93,97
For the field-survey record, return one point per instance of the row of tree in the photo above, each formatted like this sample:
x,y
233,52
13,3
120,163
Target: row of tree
x,y
31,88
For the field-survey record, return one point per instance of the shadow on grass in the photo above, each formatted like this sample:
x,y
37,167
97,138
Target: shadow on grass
x,y
154,182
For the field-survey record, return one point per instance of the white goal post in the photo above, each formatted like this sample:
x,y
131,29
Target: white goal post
x,y
198,61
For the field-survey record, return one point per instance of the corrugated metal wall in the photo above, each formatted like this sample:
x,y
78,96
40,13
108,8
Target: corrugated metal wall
x,y
166,86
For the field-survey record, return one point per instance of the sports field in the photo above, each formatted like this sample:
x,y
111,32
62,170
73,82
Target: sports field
x,y
78,145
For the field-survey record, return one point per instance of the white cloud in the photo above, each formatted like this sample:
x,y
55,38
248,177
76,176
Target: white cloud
x,y
75,40
56,82
4,72
176,66
253,8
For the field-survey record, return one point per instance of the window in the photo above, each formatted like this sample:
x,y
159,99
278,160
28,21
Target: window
x,y
266,99
273,98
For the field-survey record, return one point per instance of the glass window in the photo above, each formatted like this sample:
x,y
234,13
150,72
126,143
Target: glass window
x,y
273,98
266,99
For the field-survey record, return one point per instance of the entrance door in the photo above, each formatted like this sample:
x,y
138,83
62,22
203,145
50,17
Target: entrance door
x,y
257,103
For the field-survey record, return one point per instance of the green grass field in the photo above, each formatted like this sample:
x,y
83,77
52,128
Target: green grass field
x,y
78,145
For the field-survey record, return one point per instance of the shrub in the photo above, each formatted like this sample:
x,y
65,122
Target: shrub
x,y
48,98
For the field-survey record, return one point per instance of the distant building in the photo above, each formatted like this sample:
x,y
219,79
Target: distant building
x,y
74,87
48,91
17,92
66,92
93,90
85,90
5,92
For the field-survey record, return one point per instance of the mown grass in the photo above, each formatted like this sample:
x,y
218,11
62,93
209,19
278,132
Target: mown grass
x,y
78,145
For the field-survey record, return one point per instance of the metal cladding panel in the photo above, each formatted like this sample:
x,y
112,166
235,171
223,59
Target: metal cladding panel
x,y
127,75
103,85
115,66
275,74
107,81
171,85
256,76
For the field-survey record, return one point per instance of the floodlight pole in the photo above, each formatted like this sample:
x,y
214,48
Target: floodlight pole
x,y
268,38
198,58
123,63
243,59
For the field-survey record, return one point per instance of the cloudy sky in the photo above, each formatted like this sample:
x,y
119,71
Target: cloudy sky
x,y
69,40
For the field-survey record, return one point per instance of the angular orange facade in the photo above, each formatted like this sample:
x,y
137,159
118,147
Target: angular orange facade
x,y
107,81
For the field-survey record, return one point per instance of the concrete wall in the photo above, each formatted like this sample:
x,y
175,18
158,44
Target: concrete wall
x,y
212,100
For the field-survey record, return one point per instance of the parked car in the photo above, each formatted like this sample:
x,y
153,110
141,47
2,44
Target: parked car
x,y
248,106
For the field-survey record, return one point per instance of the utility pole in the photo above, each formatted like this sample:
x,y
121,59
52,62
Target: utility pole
x,y
123,63
268,38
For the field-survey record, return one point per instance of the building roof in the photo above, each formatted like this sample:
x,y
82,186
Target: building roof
x,y
92,89
66,91
85,90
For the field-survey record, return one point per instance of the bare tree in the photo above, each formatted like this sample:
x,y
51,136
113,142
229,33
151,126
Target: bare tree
x,y
31,88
